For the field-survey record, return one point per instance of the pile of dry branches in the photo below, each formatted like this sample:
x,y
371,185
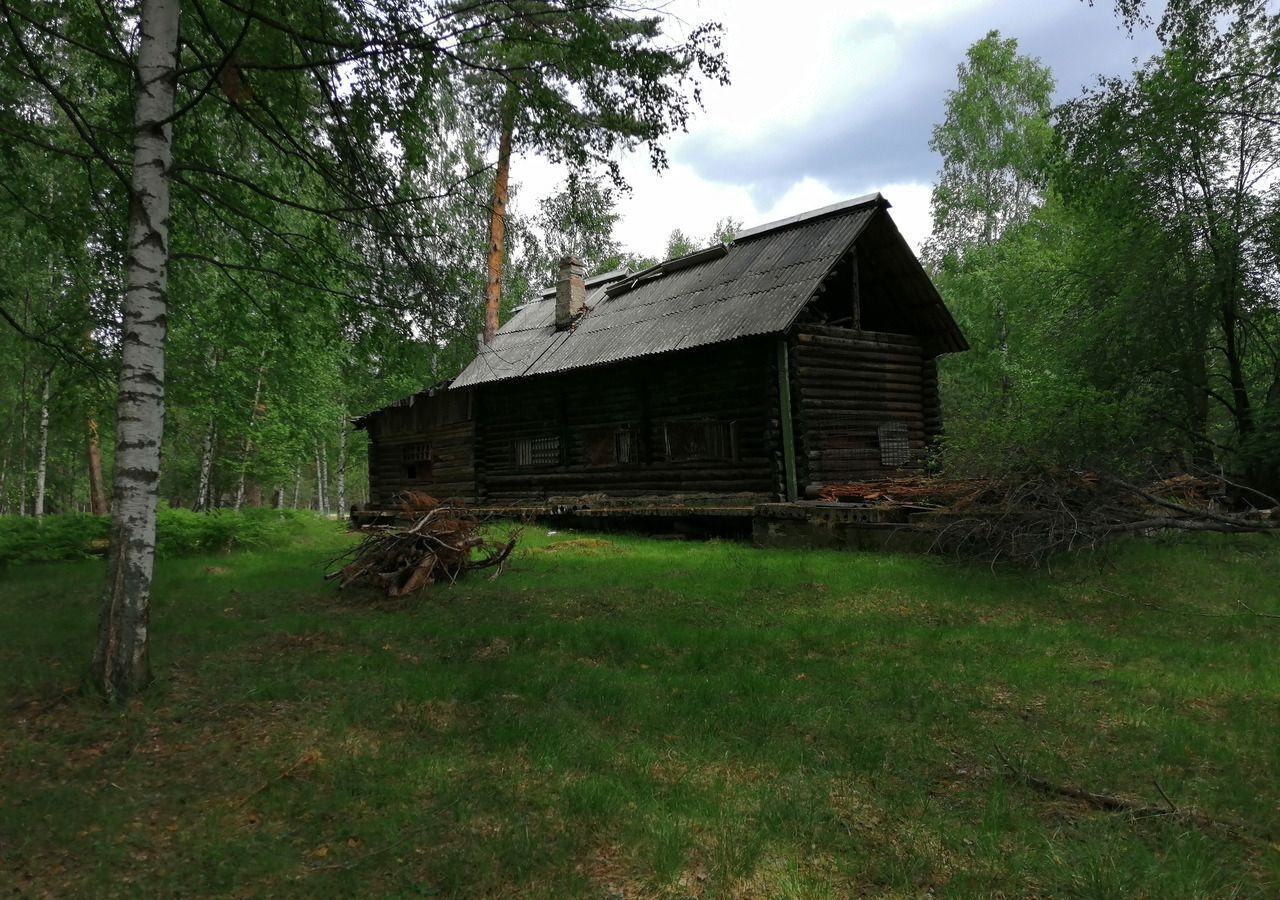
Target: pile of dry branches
x,y
443,543
916,491
1027,517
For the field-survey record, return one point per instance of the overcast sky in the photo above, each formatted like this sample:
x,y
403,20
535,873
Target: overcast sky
x,y
831,100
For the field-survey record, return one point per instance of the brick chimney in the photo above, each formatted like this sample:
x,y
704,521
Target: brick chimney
x,y
571,292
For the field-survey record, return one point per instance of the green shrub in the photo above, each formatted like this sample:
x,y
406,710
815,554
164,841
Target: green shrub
x,y
68,536
179,532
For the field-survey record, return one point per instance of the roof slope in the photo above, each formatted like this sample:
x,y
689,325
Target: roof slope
x,y
756,286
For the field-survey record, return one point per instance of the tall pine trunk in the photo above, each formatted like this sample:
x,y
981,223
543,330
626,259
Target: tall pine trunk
x,y
121,663
498,219
42,449
97,493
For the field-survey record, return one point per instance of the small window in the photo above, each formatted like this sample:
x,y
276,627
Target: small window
x,y
624,446
895,444
609,446
543,451
417,461
702,439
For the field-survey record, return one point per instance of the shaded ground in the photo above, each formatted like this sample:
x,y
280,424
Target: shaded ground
x,y
619,717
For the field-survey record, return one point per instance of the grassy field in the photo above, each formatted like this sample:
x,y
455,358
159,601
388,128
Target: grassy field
x,y
621,717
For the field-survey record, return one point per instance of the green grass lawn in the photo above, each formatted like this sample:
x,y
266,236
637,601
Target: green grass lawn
x,y
621,717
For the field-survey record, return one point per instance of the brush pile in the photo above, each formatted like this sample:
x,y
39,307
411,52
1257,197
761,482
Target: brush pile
x,y
916,491
1027,517
442,544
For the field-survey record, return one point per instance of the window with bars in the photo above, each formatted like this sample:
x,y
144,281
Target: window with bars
x,y
895,444
416,459
700,439
543,451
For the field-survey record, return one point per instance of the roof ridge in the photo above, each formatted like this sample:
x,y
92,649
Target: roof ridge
x,y
841,206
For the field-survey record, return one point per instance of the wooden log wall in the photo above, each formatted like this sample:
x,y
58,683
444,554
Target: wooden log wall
x,y
845,385
728,384
932,400
443,421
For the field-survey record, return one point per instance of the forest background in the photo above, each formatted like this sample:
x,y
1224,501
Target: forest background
x,y
1112,259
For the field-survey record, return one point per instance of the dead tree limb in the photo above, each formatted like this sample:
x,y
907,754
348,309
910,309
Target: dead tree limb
x,y
1132,808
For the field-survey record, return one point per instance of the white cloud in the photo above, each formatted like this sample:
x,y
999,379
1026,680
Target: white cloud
x,y
830,99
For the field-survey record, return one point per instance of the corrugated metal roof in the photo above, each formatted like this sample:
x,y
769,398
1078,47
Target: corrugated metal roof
x,y
756,287
864,200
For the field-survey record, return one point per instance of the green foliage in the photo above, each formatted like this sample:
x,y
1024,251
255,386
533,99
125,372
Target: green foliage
x,y
330,196
585,79
993,142
179,532
577,220
71,536
725,230
654,718
1126,314
679,244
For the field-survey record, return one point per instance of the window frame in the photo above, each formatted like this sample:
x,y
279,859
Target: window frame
x,y
533,452
716,433
415,454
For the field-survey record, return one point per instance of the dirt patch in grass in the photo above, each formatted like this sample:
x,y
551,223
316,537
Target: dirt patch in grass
x,y
303,642
438,716
614,873
497,648
580,547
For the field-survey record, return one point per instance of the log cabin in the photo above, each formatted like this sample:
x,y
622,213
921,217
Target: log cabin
x,y
800,355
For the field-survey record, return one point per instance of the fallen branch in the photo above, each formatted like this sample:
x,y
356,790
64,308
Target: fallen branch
x,y
1106,802
1132,808
309,758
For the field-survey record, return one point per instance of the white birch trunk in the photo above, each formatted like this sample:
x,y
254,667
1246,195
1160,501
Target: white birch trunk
x,y
324,467
204,500
297,484
42,451
204,493
341,508
121,663
248,438
322,481
23,445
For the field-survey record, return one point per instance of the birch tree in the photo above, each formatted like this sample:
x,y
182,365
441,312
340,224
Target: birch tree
x,y
121,664
993,141
322,151
42,451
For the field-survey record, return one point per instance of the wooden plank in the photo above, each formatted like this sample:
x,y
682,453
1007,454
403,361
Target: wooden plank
x,y
788,429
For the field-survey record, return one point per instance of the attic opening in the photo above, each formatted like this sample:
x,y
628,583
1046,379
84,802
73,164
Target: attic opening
x,y
858,295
